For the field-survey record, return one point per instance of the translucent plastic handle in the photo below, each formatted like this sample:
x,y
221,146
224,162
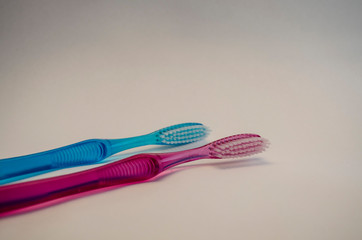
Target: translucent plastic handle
x,y
93,151
86,152
137,168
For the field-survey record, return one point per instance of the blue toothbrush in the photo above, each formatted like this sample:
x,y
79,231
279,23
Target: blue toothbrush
x,y
94,150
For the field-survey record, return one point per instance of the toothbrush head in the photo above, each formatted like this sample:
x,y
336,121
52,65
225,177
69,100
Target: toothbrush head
x,y
181,134
237,146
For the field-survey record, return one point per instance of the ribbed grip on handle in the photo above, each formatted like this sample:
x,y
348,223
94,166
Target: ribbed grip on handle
x,y
136,168
82,153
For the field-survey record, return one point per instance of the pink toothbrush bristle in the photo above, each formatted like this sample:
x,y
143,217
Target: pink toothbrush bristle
x,y
240,145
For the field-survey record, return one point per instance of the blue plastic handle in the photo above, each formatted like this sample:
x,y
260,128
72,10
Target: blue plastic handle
x,y
81,153
93,151
85,152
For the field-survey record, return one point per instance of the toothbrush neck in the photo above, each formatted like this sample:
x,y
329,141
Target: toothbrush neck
x,y
122,144
168,160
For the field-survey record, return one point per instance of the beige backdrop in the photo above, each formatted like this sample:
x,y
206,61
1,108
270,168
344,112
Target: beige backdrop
x,y
288,70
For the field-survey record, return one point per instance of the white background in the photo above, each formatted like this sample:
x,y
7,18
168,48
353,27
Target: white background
x,y
287,70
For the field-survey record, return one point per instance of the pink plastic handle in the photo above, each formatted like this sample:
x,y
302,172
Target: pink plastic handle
x,y
133,169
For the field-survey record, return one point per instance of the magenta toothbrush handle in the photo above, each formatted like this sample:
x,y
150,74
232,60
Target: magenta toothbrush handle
x,y
133,169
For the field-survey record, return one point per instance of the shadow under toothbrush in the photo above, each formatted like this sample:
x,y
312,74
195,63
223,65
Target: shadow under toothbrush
x,y
221,164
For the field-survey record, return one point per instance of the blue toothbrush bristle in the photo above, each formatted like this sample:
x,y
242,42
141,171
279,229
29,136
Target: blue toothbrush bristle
x,y
182,133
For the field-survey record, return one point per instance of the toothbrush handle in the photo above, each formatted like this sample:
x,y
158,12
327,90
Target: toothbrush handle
x,y
21,195
81,153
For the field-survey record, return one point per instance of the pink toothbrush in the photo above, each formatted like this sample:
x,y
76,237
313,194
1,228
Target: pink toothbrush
x,y
133,169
